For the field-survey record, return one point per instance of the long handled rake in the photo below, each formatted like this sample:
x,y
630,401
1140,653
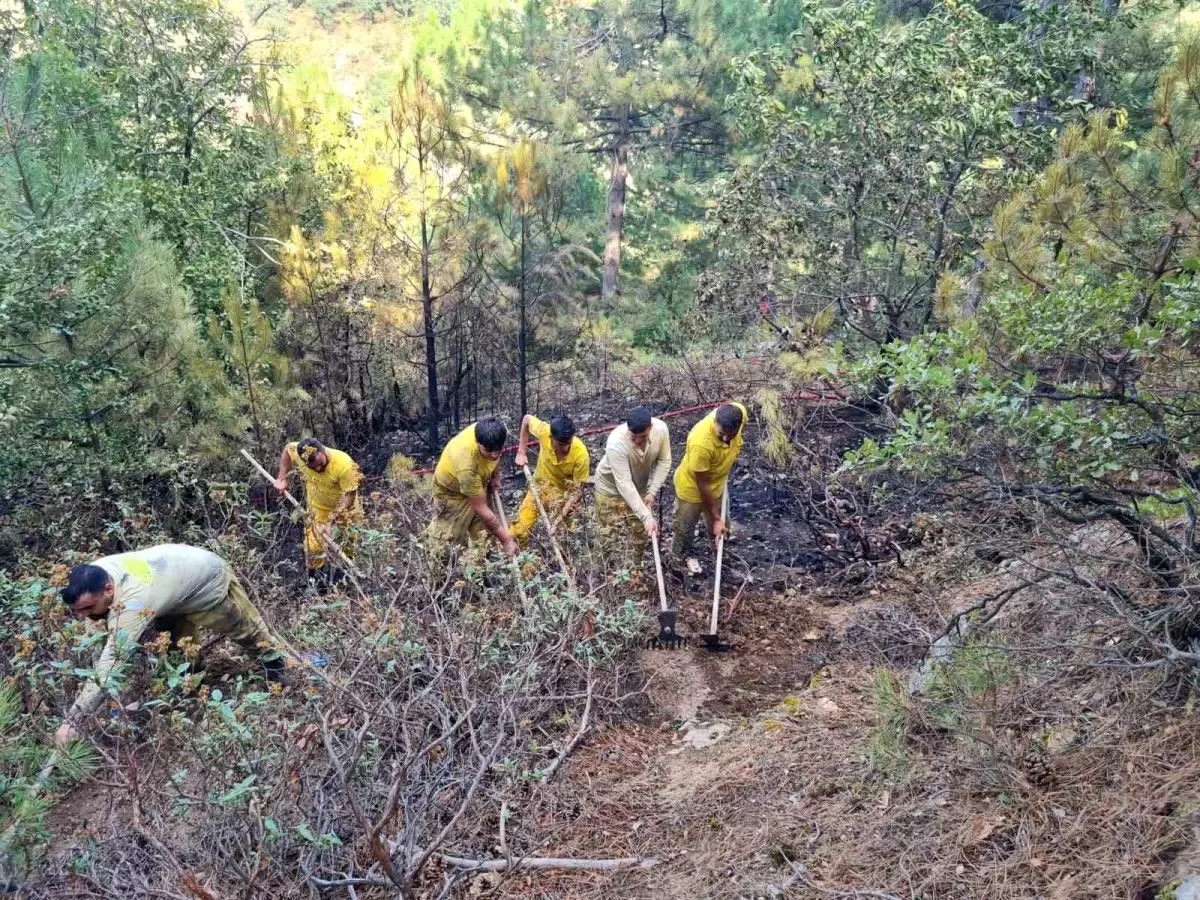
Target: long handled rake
x,y
562,560
515,565
667,638
712,640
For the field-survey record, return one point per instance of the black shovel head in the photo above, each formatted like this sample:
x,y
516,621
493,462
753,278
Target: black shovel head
x,y
666,639
714,643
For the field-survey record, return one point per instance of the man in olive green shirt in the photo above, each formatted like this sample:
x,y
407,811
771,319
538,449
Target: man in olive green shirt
x,y
171,587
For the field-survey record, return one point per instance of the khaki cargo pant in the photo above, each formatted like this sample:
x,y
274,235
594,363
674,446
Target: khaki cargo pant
x,y
623,538
345,534
454,526
684,520
235,617
454,521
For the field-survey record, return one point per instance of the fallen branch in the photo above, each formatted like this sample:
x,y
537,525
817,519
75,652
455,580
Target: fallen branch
x,y
548,862
583,727
348,882
999,599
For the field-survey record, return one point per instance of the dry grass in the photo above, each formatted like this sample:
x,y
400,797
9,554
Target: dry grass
x,y
1067,778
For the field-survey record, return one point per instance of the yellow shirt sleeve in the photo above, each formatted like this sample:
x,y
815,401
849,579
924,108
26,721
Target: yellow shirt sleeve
x,y
540,429
582,461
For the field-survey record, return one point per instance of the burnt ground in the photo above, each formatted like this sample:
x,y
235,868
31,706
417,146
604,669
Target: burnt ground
x,y
783,610
1065,784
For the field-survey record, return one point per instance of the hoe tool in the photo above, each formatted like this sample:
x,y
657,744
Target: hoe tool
x,y
347,564
713,640
667,638
562,560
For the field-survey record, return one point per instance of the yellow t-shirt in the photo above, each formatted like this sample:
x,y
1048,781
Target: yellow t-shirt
x,y
325,489
570,470
707,453
461,468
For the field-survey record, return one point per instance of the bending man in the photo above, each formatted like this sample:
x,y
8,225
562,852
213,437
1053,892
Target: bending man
x,y
562,470
174,588
713,446
331,481
637,460
466,471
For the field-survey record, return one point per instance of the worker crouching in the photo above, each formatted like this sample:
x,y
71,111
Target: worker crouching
x,y
466,473
174,588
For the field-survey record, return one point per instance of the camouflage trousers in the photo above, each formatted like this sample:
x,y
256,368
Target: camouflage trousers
x,y
235,617
623,537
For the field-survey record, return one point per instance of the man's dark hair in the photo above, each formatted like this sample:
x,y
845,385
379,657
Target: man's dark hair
x,y
729,417
86,579
309,443
638,419
562,429
491,433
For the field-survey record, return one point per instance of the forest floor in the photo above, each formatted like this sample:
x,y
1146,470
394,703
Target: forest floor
x,y
774,770
798,764
779,769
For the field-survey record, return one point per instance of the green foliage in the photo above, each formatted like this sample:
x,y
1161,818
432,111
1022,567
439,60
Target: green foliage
x,y
1072,382
876,143
130,178
245,340
887,747
27,782
965,689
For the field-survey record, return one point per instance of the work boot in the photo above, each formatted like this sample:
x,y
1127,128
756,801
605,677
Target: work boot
x,y
318,581
276,671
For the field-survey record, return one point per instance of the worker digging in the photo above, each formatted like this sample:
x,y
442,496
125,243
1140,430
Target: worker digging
x,y
467,471
182,589
173,588
561,472
331,490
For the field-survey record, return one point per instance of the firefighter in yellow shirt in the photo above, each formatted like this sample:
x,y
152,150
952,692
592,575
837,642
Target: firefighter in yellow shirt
x,y
713,446
466,471
331,482
562,470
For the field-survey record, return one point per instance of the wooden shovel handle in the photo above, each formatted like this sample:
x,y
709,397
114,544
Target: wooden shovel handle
x,y
562,560
516,568
716,605
662,589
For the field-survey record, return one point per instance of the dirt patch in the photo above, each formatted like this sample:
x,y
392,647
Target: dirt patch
x,y
677,686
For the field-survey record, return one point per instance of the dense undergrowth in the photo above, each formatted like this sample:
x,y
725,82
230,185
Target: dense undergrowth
x,y
439,700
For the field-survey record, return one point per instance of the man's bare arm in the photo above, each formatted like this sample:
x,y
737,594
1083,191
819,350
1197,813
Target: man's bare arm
x,y
479,503
711,504
285,466
523,444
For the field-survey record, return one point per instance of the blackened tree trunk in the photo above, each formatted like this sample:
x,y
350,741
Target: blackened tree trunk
x,y
431,379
